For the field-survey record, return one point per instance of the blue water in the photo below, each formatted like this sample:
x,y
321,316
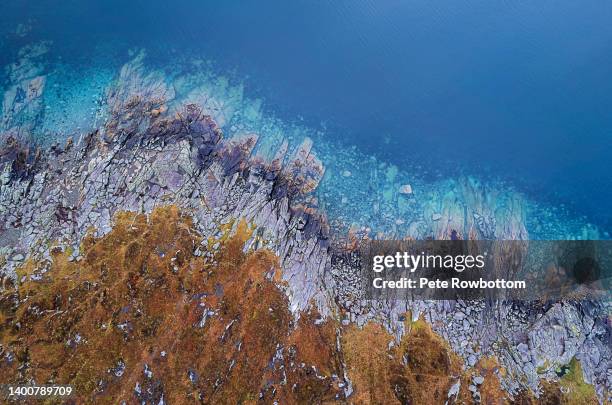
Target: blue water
x,y
519,90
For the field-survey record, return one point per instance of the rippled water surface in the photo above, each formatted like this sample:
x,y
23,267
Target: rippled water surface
x,y
512,89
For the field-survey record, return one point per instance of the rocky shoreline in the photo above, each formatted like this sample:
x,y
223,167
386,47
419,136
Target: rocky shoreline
x,y
146,156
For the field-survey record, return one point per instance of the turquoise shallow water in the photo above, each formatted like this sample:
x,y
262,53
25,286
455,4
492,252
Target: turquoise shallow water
x,y
517,93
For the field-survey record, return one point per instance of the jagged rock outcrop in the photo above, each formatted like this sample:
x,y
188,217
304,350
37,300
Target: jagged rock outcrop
x,y
56,196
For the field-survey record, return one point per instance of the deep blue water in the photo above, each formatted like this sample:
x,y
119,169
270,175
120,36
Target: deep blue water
x,y
516,89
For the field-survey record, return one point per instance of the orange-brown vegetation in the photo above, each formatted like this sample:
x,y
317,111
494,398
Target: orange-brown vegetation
x,y
420,370
311,359
140,315
369,365
491,391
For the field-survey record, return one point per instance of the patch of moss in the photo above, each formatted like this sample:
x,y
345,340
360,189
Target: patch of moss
x,y
573,387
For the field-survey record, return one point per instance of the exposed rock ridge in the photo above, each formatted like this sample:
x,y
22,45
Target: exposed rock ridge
x,y
56,196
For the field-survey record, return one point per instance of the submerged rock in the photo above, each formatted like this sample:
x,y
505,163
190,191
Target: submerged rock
x,y
405,189
22,102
